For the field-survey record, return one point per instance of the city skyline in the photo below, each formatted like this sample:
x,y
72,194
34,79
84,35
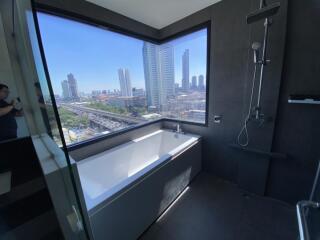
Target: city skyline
x,y
96,68
158,57
196,83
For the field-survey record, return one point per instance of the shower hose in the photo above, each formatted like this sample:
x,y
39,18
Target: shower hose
x,y
244,130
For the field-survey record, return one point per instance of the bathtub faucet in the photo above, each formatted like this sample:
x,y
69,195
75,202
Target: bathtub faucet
x,y
179,129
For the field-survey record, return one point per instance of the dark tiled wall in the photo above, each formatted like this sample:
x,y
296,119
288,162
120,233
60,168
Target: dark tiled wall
x,y
231,72
297,130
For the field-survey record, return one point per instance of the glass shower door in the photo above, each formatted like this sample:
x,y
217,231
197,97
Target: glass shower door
x,y
309,213
44,124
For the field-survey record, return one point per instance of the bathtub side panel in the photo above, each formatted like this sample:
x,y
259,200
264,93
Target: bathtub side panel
x,y
129,215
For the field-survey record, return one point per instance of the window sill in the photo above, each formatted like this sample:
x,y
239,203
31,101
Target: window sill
x,y
78,145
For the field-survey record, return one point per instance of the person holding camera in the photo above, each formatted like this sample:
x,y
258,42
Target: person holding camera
x,y
8,112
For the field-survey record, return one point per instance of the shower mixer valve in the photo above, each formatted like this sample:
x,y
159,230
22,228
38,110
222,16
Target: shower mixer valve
x,y
261,62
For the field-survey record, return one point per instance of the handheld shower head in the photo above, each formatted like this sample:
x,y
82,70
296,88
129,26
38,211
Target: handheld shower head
x,y
256,46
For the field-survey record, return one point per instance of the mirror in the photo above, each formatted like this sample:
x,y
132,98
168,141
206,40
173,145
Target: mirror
x,y
12,121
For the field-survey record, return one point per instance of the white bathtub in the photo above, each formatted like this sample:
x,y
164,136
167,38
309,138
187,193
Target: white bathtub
x,y
105,174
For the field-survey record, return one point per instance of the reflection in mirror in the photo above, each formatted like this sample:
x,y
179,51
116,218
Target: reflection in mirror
x,y
8,113
12,122
41,85
43,107
37,195
26,209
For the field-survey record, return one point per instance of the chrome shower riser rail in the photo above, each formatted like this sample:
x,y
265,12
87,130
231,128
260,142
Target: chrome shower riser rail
x,y
263,64
302,218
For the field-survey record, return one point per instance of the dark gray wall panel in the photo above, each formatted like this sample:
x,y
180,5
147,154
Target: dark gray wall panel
x,y
297,130
231,72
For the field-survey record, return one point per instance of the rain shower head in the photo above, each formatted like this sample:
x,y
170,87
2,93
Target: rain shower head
x,y
263,13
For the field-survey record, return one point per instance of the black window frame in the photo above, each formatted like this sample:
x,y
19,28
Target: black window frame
x,y
37,7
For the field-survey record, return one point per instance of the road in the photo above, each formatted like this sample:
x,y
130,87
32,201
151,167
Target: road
x,y
103,114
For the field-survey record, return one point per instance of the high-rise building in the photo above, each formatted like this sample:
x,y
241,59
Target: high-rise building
x,y
185,70
166,55
65,89
138,92
125,82
194,82
151,73
95,93
158,63
201,83
73,86
176,87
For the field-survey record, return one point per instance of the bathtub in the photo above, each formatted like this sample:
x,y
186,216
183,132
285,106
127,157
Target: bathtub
x,y
137,179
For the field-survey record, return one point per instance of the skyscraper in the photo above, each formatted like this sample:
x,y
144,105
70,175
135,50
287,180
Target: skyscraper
x,y
176,87
185,70
201,83
73,87
125,82
65,89
166,56
151,73
158,63
194,82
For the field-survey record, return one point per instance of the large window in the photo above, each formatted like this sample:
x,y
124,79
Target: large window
x,y
105,81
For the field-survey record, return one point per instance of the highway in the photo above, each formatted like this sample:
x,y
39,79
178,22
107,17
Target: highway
x,y
103,116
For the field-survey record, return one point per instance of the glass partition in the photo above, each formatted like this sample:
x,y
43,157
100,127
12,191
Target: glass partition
x,y
34,96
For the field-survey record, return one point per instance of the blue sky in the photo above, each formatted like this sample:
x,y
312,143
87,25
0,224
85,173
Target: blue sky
x,y
94,55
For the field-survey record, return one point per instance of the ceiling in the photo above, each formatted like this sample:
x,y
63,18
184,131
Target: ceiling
x,y
155,13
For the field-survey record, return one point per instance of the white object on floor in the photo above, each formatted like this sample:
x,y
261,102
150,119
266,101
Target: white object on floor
x,y
5,182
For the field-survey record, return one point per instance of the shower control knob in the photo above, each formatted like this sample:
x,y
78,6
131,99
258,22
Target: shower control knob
x,y
217,118
265,62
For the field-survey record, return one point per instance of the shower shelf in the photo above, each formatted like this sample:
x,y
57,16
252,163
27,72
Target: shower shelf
x,y
304,99
259,152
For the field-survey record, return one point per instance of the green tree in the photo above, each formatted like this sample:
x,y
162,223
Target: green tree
x,y
71,120
107,107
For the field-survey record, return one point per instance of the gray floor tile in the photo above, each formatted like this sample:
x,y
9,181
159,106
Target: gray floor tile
x,y
217,210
